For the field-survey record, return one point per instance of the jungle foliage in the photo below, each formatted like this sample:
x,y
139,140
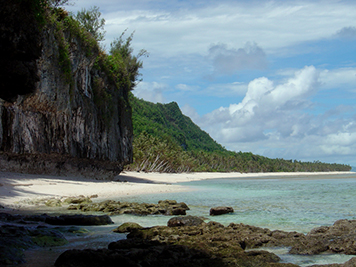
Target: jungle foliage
x,y
167,141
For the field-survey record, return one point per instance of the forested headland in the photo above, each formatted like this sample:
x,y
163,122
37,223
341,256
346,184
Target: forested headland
x,y
165,140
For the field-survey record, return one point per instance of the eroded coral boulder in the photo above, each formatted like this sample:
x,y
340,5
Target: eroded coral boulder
x,y
127,227
221,210
185,221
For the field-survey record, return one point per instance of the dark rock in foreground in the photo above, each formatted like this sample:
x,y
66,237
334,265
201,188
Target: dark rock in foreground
x,y
22,232
338,238
77,219
15,239
207,244
137,253
185,221
164,207
221,210
127,227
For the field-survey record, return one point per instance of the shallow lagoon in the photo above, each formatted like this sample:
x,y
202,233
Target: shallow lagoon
x,y
291,204
297,203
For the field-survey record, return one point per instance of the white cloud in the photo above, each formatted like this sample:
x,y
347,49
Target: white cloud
x,y
177,28
234,89
266,106
229,60
274,120
190,112
186,88
344,79
150,91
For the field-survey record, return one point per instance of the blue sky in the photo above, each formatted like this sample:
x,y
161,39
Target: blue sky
x,y
275,78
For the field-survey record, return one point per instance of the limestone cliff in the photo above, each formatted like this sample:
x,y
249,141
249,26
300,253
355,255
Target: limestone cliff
x,y
64,114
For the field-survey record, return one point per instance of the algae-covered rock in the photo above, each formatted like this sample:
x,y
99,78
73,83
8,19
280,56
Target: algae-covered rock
x,y
127,227
53,203
77,200
185,221
15,239
164,207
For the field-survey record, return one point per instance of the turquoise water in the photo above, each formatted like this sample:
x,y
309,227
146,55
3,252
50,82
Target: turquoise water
x,y
292,204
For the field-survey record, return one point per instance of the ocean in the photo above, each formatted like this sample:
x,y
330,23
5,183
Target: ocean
x,y
297,203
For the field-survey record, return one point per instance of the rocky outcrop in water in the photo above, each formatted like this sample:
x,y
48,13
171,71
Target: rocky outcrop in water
x,y
220,210
212,244
59,113
163,207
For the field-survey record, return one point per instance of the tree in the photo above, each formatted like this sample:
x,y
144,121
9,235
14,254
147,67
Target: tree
x,y
126,64
57,3
90,20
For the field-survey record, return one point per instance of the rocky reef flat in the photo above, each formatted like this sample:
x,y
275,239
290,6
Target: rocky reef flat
x,y
197,243
185,241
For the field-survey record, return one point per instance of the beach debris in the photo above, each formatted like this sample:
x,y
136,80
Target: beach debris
x,y
221,210
127,227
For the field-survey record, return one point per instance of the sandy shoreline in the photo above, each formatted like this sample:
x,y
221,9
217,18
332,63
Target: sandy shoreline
x,y
18,189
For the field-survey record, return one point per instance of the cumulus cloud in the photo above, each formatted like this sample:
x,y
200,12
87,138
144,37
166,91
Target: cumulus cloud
x,y
277,120
229,60
190,112
150,91
266,108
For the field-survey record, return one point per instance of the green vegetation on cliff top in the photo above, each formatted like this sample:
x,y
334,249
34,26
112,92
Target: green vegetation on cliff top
x,y
167,141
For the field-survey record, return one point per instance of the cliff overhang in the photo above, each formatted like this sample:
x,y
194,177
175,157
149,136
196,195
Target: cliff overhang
x,y
59,111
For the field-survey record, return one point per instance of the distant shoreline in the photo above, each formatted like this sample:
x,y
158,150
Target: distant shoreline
x,y
20,191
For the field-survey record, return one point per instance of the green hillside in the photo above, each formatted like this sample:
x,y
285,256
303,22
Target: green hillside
x,y
165,140
167,122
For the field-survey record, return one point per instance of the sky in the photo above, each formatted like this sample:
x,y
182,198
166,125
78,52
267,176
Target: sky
x,y
275,78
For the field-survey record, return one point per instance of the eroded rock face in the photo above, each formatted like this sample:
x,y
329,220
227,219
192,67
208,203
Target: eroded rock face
x,y
59,126
338,238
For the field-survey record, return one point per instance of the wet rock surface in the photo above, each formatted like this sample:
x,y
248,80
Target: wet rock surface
x,y
164,207
127,227
185,221
77,219
338,238
213,244
15,239
21,232
220,210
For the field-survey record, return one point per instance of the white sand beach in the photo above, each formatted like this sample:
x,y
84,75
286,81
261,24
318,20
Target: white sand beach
x,y
19,190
